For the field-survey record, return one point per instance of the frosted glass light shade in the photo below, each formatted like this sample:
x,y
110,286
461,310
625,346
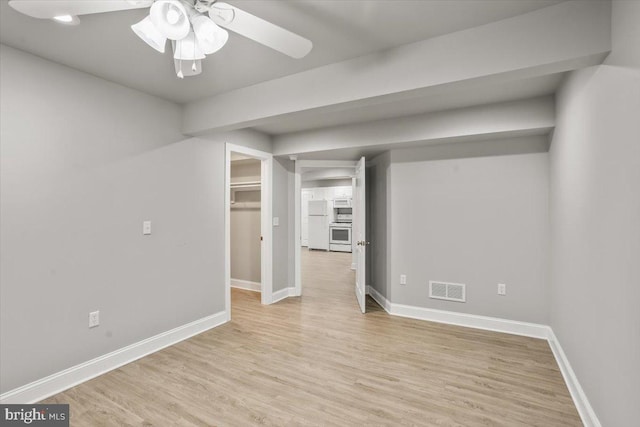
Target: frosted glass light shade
x,y
210,37
150,34
170,18
187,49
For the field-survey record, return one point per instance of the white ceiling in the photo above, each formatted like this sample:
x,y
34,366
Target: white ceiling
x,y
104,45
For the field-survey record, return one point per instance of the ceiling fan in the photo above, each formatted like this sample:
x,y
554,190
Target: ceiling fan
x,y
196,28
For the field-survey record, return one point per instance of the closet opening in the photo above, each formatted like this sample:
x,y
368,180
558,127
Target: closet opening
x,y
248,231
245,223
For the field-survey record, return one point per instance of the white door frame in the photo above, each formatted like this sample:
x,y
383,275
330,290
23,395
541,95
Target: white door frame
x,y
297,201
266,206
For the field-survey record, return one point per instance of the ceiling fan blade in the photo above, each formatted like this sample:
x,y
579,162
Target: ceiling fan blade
x,y
46,9
259,30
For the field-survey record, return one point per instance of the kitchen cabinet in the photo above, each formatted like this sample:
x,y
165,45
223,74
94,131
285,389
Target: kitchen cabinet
x,y
342,192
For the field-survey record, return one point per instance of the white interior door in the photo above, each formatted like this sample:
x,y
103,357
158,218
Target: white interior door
x,y
359,208
304,238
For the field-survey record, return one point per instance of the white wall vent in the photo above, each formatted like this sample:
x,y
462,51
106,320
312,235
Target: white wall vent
x,y
447,291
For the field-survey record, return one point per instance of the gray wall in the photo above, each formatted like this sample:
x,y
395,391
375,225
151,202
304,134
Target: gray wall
x,y
246,137
479,221
378,226
245,224
595,223
245,170
83,163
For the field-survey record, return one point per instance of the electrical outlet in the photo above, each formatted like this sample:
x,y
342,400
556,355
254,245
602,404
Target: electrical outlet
x,y
94,319
146,228
502,289
403,279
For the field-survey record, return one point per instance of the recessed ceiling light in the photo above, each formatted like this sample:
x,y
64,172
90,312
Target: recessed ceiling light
x,y
67,19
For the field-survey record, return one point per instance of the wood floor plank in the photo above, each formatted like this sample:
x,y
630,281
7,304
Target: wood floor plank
x,y
316,360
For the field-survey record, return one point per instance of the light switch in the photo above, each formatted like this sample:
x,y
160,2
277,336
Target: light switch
x,y
502,289
146,227
276,221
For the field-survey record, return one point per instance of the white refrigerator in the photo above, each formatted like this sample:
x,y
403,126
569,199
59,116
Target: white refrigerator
x,y
319,212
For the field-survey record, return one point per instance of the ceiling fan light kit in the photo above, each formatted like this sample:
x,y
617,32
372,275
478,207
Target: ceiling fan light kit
x,y
211,38
170,18
188,49
194,34
150,34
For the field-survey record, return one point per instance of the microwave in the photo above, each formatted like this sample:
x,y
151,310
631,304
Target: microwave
x,y
342,203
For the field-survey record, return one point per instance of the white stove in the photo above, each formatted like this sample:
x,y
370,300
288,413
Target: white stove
x,y
340,236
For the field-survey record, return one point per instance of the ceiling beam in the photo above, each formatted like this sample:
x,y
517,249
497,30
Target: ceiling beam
x,y
532,116
562,37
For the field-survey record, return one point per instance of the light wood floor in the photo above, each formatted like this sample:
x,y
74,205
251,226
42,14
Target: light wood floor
x,y
316,360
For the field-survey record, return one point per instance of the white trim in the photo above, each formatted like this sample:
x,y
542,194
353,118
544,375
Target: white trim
x,y
266,210
495,324
284,293
246,285
227,232
63,380
587,414
266,214
297,229
585,410
381,300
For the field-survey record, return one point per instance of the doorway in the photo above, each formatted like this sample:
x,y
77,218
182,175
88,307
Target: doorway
x,y
248,233
326,204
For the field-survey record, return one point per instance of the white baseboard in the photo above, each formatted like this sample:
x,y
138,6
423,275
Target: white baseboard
x,y
246,285
587,414
63,380
283,293
495,324
382,301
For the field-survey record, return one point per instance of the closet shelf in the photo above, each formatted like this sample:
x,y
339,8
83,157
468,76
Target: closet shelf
x,y
245,205
243,186
246,186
